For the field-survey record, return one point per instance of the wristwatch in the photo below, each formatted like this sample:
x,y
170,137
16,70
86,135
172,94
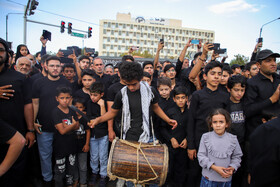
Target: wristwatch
x,y
31,130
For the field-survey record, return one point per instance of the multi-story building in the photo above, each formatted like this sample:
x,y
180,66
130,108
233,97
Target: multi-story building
x,y
116,36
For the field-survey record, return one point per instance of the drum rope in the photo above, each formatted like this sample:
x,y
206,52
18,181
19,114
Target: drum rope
x,y
139,148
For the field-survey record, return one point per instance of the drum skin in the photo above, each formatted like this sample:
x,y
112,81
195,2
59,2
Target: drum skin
x,y
122,162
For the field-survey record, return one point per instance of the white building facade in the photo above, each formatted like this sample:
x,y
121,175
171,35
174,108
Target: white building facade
x,y
117,36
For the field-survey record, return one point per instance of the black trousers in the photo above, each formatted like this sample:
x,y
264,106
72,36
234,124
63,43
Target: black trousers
x,y
177,165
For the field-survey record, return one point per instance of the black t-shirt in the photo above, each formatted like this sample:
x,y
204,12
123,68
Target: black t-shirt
x,y
237,120
33,78
81,94
45,90
12,110
75,86
107,81
112,92
94,111
66,144
6,132
81,134
135,108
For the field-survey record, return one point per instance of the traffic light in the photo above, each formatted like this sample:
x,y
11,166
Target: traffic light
x,y
89,32
33,6
69,28
62,26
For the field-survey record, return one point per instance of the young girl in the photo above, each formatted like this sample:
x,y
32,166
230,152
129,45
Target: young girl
x,y
219,152
22,50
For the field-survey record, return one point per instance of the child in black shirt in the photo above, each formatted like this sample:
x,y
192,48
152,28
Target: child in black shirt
x,y
99,141
165,102
176,139
83,137
236,87
64,143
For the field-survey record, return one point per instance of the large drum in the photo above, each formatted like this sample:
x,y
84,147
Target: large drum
x,y
139,163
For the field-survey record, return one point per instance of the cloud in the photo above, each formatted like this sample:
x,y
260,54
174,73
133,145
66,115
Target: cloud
x,y
233,6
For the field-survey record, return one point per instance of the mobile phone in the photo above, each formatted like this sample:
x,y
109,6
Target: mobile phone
x,y
162,39
47,35
260,40
215,47
221,51
195,42
90,50
65,60
66,52
77,50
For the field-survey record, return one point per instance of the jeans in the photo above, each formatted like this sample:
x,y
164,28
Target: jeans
x,y
45,141
206,183
81,168
64,168
99,155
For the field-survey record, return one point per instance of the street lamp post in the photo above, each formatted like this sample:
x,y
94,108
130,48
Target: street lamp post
x,y
7,17
266,24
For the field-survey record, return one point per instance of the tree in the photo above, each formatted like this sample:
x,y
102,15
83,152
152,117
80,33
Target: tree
x,y
239,59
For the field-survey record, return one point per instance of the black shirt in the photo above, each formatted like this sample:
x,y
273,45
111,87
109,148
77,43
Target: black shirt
x,y
264,155
165,104
66,144
6,133
12,110
94,111
81,94
112,92
135,108
259,89
107,81
186,81
180,132
45,90
237,126
202,103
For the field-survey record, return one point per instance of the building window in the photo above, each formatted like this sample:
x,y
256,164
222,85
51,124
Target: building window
x,y
104,46
116,40
123,40
120,33
117,25
112,47
112,32
109,24
104,31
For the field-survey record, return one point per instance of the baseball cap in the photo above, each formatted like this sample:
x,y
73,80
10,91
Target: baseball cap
x,y
263,54
233,66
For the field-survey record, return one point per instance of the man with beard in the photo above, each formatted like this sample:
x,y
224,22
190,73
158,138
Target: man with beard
x,y
14,110
43,98
262,94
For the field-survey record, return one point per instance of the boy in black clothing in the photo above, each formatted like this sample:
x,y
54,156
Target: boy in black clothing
x,y
99,135
83,137
64,143
176,139
87,80
136,100
236,87
202,103
165,102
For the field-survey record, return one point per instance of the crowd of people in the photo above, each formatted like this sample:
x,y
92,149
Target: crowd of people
x,y
57,119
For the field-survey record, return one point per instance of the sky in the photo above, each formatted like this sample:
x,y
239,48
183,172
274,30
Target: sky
x,y
236,23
